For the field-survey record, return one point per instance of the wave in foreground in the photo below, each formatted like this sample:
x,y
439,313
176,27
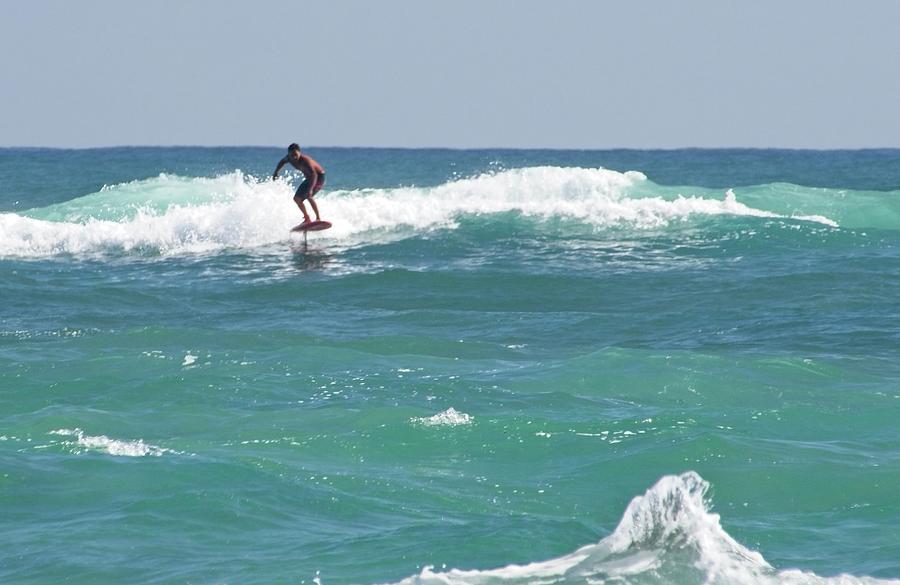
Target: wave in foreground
x,y
175,215
667,537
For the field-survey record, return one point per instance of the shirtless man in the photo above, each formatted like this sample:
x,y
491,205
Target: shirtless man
x,y
313,178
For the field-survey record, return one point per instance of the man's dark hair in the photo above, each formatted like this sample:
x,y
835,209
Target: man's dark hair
x,y
293,146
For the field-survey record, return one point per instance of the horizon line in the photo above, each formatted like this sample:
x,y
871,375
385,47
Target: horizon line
x,y
463,148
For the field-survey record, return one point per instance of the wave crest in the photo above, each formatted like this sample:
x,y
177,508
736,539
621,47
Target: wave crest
x,y
666,536
176,215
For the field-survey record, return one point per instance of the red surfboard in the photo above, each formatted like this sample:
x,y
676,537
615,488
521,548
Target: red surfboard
x,y
311,226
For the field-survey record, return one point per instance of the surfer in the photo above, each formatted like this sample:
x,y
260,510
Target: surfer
x,y
313,178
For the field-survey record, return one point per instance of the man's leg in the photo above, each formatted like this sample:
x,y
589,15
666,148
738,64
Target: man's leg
x,y
302,207
301,194
315,189
312,203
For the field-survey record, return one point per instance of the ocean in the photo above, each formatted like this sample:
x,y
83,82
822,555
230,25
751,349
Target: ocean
x,y
499,366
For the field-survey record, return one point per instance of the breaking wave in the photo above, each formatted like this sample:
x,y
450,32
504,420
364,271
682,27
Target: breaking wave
x,y
175,215
667,536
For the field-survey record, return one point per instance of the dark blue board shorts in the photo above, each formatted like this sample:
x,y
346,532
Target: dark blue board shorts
x,y
307,190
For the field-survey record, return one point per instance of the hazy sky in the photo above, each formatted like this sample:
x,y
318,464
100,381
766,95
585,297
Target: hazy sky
x,y
467,73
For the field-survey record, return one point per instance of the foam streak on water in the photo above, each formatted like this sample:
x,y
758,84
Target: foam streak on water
x,y
104,444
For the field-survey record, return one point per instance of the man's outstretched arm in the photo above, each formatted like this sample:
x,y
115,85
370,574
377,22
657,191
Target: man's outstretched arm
x,y
281,163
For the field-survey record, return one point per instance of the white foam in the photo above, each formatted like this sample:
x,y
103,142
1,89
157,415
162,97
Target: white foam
x,y
448,418
104,444
172,215
665,536
232,211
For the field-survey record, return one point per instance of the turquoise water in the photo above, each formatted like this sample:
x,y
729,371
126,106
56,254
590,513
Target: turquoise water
x,y
497,367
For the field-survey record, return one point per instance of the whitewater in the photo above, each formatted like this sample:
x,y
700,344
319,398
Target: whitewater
x,y
173,215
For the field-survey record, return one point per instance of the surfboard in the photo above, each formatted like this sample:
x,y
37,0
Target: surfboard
x,y
313,226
